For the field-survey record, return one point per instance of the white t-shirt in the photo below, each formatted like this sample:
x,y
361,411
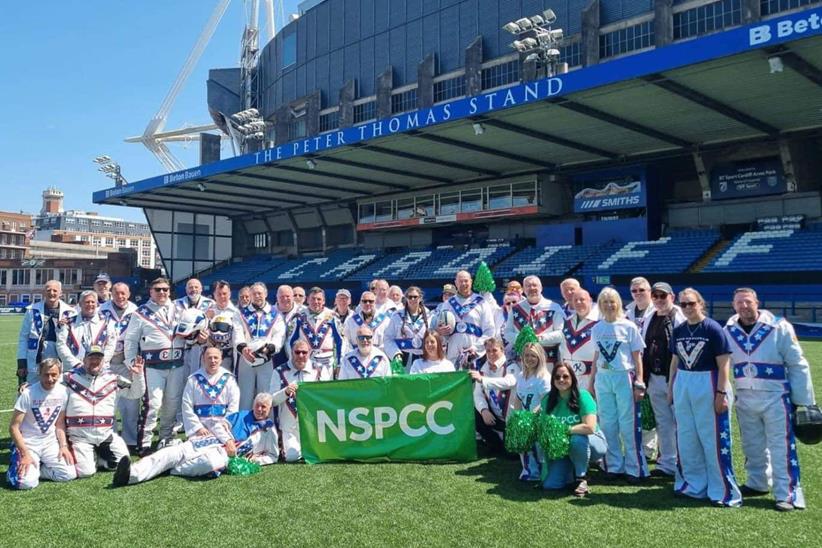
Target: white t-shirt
x,y
615,342
41,410
431,366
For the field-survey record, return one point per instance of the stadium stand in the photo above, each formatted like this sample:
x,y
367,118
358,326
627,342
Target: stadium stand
x,y
779,250
546,261
332,267
241,272
670,254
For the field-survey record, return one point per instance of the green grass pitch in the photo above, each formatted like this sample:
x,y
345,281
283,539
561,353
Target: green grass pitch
x,y
475,504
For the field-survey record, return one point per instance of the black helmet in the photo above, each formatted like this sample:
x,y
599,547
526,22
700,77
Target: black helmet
x,y
807,424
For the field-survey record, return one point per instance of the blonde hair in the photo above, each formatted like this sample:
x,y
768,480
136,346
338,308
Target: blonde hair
x,y
611,293
541,369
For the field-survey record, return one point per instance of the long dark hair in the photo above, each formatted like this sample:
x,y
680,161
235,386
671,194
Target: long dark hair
x,y
553,395
421,304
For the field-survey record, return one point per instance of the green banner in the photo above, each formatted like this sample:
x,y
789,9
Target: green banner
x,y
402,418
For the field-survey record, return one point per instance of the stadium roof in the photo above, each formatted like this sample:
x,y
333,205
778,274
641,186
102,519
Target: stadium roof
x,y
695,95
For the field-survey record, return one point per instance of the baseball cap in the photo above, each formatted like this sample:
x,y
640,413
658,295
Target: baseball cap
x,y
664,287
102,277
449,288
513,285
95,349
344,292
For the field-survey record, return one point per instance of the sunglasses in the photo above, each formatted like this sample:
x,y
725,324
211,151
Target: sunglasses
x,y
687,304
659,296
412,296
161,289
562,377
300,352
367,301
364,337
639,290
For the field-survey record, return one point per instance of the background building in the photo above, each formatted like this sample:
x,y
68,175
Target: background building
x,y
104,234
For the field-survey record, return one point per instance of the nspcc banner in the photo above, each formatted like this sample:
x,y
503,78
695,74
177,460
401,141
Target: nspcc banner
x,y
403,418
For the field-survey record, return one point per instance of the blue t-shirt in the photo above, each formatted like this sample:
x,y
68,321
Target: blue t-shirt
x,y
697,346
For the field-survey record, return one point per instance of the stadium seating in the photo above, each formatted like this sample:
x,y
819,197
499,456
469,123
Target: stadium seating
x,y
772,251
670,254
545,261
332,267
241,272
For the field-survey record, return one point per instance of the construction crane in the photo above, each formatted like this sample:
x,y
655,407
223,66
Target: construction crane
x,y
154,138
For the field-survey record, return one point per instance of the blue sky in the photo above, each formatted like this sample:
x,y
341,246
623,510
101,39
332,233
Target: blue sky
x,y
77,77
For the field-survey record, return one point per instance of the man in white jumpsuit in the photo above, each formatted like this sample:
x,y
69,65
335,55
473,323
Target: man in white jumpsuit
x,y
252,436
365,361
264,333
38,432
38,334
151,335
193,299
284,387
367,315
474,321
543,315
577,350
210,394
80,332
118,311
92,400
318,327
771,376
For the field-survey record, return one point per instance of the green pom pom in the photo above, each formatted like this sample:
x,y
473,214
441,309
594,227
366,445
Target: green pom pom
x,y
520,431
526,335
648,419
484,280
397,367
552,436
239,466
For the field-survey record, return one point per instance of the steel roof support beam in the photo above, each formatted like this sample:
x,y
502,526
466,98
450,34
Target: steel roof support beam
x,y
483,150
622,122
299,183
708,102
796,63
317,173
582,147
389,170
426,160
258,191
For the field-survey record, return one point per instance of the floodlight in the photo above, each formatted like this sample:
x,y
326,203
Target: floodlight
x,y
518,45
775,64
311,164
201,187
532,58
549,16
511,27
552,53
537,20
524,23
530,43
557,34
479,129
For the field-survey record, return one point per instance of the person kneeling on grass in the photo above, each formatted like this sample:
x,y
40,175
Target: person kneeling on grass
x,y
92,400
38,431
254,437
577,409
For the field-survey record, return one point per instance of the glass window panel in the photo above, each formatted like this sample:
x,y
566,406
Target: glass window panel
x,y
405,208
203,248
384,211
449,203
367,213
183,246
160,220
524,194
471,200
222,249
499,197
204,224
425,206
222,225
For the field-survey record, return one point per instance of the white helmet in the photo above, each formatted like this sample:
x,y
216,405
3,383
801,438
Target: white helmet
x,y
220,329
191,322
260,355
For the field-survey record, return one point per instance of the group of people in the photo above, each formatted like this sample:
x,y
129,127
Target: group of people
x,y
228,376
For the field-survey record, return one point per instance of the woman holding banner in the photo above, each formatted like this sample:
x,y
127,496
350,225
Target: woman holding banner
x,y
433,356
